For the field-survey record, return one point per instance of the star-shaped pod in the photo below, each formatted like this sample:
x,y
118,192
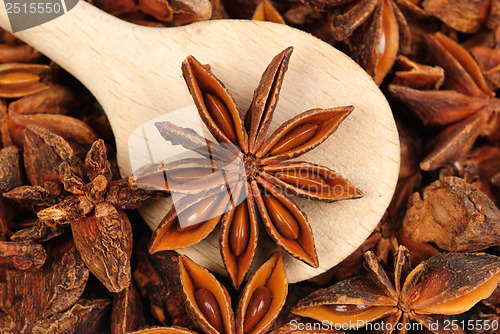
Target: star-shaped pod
x,y
246,178
445,284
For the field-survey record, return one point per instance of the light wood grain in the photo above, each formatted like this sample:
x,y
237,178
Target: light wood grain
x,y
135,74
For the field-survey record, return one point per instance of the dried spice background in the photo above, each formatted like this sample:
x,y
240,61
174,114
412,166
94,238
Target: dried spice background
x,y
74,254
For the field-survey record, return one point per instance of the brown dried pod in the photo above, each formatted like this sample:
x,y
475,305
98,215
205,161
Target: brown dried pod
x,y
22,53
28,298
76,132
265,11
446,284
418,76
10,173
207,301
462,15
107,255
43,152
126,315
86,316
253,166
489,61
17,79
177,11
21,255
263,297
466,107
455,215
56,99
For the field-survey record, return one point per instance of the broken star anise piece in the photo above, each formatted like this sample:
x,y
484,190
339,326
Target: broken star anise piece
x,y
257,177
445,284
93,204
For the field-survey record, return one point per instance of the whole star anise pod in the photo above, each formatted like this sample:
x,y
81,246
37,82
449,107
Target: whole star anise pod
x,y
94,206
244,177
445,284
466,107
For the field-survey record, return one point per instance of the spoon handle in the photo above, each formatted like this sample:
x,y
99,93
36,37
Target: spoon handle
x,y
81,41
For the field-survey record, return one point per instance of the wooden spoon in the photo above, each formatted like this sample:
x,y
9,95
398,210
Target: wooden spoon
x,y
135,73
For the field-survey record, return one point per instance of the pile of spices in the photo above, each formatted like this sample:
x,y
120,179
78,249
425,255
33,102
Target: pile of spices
x,y
75,256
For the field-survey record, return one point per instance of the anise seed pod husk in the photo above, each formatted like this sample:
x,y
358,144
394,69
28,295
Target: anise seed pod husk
x,y
195,278
271,275
18,79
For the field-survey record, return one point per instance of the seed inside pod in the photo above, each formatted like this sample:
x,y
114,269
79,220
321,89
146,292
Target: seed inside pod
x,y
257,307
185,175
210,308
198,213
221,116
13,80
281,217
303,179
348,309
239,233
300,134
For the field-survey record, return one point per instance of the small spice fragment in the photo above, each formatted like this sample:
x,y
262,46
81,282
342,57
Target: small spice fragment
x,y
455,215
443,285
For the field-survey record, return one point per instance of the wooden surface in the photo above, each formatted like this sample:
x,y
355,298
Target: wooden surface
x,y
135,73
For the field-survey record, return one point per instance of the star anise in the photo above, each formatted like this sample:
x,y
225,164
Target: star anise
x,y
209,305
246,175
446,284
375,31
100,227
467,107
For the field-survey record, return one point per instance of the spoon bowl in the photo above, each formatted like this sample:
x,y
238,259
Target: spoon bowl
x,y
135,74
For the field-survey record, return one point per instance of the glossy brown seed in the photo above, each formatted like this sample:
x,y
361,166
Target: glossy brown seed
x,y
219,113
14,80
281,217
18,80
198,213
186,175
240,229
259,304
303,179
210,308
294,137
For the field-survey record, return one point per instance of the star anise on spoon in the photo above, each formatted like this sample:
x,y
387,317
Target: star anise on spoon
x,y
245,177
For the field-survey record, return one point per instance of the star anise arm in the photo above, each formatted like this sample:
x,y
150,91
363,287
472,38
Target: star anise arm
x,y
310,180
263,297
68,210
122,195
451,283
284,221
355,299
402,268
260,114
238,236
462,72
104,241
71,182
301,134
96,162
190,220
439,107
379,275
216,106
207,301
343,25
36,195
189,139
454,141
